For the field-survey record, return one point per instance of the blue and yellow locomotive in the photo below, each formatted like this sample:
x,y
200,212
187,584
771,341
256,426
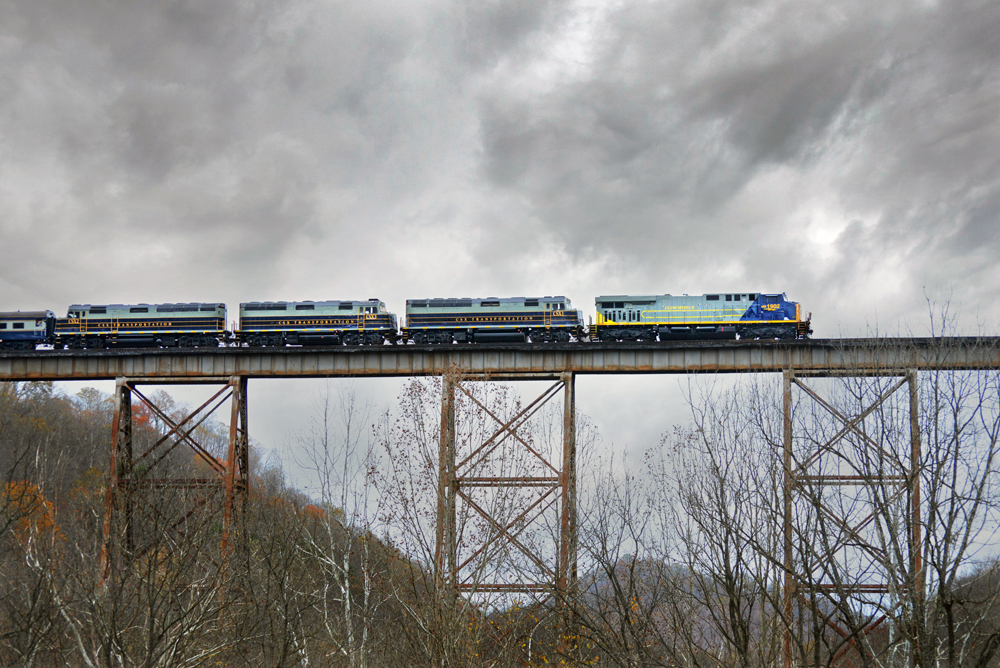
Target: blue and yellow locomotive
x,y
492,320
749,315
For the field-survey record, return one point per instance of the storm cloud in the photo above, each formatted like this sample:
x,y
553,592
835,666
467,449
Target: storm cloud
x,y
845,153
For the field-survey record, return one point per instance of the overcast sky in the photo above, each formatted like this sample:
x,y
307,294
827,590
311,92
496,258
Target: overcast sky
x,y
843,152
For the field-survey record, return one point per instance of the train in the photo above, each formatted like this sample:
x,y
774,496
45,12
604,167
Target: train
x,y
432,321
727,315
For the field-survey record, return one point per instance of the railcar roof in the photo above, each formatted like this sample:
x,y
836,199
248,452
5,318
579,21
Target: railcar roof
x,y
328,302
502,300
25,315
120,306
722,292
705,294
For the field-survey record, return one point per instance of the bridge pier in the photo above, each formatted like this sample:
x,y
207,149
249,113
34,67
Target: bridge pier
x,y
888,472
554,484
134,468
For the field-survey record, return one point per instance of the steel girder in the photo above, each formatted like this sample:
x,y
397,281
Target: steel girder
x,y
133,474
898,481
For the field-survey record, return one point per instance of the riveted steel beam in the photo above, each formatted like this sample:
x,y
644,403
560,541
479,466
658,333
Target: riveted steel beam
x,y
133,472
897,478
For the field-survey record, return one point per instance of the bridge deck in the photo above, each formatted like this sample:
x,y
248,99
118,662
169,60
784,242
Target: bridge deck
x,y
505,360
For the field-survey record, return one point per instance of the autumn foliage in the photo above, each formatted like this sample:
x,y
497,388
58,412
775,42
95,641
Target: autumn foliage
x,y
31,515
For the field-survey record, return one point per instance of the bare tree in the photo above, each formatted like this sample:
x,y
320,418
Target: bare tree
x,y
503,530
338,452
684,551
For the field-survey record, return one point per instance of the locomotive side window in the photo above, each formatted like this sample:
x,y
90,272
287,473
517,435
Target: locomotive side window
x,y
712,298
752,296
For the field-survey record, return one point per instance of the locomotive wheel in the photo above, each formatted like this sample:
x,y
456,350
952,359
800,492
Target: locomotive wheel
x,y
541,336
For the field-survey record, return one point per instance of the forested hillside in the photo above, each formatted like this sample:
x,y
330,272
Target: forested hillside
x,y
681,556
283,598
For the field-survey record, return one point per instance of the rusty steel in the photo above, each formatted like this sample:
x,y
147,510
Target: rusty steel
x,y
514,481
237,471
445,548
557,484
118,534
506,361
566,577
790,591
512,588
561,575
796,477
121,499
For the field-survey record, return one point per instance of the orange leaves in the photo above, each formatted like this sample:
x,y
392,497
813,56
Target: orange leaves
x,y
29,511
312,511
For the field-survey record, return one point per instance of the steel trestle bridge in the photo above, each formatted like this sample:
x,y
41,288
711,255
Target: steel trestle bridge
x,y
504,360
230,368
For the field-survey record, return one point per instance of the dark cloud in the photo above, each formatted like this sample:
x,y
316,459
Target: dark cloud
x,y
492,29
670,146
660,148
211,130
